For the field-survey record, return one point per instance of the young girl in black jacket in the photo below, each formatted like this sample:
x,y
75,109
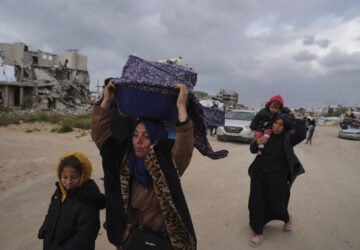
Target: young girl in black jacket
x,y
72,221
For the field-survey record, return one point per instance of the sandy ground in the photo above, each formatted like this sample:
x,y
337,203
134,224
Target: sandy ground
x,y
325,202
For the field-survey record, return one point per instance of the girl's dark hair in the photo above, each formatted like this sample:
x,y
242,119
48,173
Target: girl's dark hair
x,y
277,104
70,161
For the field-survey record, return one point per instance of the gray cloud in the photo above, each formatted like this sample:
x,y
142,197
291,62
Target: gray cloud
x,y
340,60
323,43
304,55
310,40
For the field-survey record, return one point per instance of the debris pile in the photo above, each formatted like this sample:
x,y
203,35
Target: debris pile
x,y
43,80
228,100
175,60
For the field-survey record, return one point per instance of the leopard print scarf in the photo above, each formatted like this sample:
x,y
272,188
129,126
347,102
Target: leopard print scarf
x,y
179,235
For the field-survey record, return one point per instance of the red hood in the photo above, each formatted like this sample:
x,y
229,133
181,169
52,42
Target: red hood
x,y
275,98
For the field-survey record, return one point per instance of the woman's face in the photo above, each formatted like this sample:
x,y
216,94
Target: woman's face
x,y
70,178
278,127
141,141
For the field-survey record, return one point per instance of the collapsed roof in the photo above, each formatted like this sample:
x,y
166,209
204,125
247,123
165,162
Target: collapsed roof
x,y
50,81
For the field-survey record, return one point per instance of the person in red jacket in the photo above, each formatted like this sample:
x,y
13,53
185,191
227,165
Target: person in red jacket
x,y
263,120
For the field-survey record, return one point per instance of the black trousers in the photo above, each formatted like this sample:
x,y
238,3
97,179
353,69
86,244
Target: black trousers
x,y
266,203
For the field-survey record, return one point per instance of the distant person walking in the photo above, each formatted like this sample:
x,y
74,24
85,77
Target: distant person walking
x,y
311,128
272,174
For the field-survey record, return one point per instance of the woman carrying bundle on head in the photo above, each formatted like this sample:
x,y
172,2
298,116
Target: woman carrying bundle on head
x,y
145,205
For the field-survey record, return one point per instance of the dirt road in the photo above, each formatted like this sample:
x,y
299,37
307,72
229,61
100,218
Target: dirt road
x,y
325,202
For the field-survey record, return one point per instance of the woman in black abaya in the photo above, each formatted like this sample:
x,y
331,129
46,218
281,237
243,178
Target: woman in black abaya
x,y
272,174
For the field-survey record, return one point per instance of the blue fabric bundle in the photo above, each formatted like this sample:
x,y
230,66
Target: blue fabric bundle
x,y
147,89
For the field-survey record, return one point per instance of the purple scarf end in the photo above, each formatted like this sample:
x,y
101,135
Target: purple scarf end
x,y
217,155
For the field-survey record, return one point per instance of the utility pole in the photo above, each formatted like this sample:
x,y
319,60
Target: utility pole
x,y
98,86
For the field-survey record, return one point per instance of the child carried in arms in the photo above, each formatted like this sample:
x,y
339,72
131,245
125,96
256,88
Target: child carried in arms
x,y
263,120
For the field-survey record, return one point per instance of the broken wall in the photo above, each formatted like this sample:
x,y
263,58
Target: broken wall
x,y
7,73
12,54
60,81
73,61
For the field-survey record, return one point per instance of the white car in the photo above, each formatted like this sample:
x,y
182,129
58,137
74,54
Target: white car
x,y
350,129
237,126
350,133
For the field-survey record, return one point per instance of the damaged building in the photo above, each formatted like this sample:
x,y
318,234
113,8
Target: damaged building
x,y
42,80
228,98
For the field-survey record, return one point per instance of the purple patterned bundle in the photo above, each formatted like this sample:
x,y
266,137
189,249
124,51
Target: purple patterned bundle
x,y
213,117
154,76
161,78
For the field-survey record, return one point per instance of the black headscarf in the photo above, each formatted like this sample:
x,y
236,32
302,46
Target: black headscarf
x,y
288,120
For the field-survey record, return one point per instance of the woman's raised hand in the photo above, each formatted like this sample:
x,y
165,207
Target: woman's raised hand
x,y
109,94
181,101
293,112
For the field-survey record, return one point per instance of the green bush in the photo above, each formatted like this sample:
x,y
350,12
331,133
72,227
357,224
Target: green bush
x,y
66,127
32,130
83,124
67,122
41,116
54,130
36,117
7,119
55,118
5,110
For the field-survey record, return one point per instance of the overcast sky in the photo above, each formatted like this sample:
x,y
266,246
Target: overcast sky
x,y
308,51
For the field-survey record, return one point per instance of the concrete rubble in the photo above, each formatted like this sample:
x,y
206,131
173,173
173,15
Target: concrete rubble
x,y
228,98
177,61
42,80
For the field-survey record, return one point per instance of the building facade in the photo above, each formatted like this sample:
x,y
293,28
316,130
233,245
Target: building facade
x,y
43,80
